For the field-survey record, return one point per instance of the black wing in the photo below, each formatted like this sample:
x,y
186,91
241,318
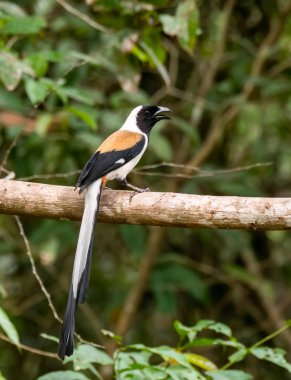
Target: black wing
x,y
101,164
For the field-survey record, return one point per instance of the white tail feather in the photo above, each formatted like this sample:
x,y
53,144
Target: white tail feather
x,y
85,234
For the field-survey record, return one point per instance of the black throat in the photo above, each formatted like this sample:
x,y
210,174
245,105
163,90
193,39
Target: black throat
x,y
146,118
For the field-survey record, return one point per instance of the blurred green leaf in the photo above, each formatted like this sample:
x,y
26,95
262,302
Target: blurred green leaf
x,y
83,115
37,90
229,374
85,355
201,325
23,25
39,61
8,327
12,70
2,377
200,361
174,278
238,356
273,355
11,101
11,9
184,24
167,353
63,375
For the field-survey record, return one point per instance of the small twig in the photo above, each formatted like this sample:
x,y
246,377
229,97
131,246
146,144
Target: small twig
x,y
9,174
83,17
272,335
165,164
198,174
11,42
8,151
160,67
34,271
30,349
259,343
41,284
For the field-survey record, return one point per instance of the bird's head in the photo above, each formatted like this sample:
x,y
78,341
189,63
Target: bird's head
x,y
145,117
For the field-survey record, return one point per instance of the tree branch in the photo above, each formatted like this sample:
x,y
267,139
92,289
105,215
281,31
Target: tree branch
x,y
161,209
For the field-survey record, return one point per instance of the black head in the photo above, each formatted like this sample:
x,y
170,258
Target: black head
x,y
148,116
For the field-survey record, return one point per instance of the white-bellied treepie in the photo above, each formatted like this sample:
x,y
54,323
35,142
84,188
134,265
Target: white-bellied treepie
x,y
114,159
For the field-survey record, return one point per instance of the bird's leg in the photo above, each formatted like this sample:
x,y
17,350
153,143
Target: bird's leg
x,y
135,188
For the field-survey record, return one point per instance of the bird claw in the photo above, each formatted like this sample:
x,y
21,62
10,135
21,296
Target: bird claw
x,y
134,193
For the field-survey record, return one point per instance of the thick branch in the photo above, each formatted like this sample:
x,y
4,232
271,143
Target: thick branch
x,y
162,209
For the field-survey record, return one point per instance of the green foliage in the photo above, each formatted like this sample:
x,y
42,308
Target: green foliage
x,y
8,327
138,361
65,375
66,85
85,356
184,24
21,25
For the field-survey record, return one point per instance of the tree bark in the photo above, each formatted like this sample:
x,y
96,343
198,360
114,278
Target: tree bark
x,y
151,208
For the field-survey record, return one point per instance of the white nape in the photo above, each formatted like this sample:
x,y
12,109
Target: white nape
x,y
130,123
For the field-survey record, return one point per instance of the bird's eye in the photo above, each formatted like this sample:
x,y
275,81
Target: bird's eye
x,y
147,112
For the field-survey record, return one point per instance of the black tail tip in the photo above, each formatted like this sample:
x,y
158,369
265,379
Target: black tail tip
x,y
66,342
65,349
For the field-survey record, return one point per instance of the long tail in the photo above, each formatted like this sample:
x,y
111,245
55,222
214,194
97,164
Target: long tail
x,y
81,271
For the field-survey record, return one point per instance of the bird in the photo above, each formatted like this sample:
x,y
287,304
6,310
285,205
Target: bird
x,y
117,155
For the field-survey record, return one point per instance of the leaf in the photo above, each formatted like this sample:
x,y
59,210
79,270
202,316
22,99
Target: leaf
x,y
273,355
8,327
23,25
167,353
125,360
63,375
39,60
37,90
11,9
83,115
205,324
2,377
85,354
80,95
229,374
12,69
178,277
238,356
184,24
200,361
176,372
218,327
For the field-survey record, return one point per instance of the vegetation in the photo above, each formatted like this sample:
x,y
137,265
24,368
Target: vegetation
x,y
70,72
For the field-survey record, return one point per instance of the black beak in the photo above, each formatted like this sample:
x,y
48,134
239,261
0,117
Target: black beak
x,y
161,114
